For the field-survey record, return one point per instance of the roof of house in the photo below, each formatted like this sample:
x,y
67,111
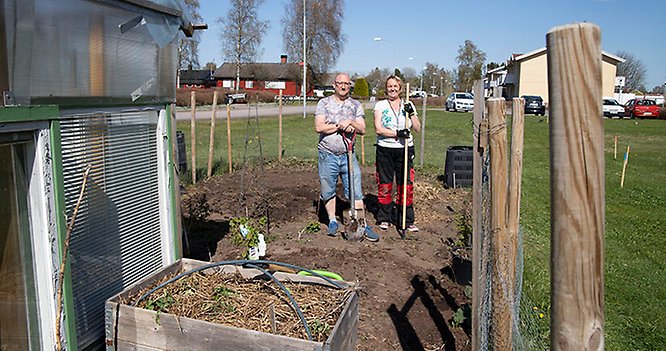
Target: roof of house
x,y
522,57
196,76
261,71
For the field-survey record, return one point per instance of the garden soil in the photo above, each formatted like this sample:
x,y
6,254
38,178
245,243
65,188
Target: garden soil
x,y
409,289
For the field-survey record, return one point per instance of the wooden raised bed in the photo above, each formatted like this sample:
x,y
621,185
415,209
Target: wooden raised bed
x,y
133,328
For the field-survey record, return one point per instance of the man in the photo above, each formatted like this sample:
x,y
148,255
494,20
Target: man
x,y
339,116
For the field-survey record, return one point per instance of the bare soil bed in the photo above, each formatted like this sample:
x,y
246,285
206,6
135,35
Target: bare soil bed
x,y
409,289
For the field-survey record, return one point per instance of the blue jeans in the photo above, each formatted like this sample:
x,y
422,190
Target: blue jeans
x,y
333,166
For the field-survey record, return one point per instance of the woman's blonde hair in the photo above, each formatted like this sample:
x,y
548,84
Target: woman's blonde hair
x,y
394,77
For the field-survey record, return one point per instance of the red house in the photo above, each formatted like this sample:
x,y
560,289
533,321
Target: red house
x,y
264,77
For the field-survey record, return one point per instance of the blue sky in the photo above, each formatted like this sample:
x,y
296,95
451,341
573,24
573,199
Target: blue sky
x,y
432,31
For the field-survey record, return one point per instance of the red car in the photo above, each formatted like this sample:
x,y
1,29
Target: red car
x,y
641,108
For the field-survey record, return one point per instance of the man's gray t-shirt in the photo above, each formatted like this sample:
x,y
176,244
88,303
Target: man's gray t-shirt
x,y
336,112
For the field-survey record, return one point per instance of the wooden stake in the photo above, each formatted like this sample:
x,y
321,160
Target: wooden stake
x,y
624,166
211,143
502,277
478,277
193,147
405,170
63,261
615,148
363,150
577,187
229,135
425,98
279,127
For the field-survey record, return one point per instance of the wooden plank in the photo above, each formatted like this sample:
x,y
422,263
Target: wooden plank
x,y
478,278
577,187
345,333
168,332
502,280
229,136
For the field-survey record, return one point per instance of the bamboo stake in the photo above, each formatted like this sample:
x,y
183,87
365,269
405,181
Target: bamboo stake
x,y
615,148
279,127
478,277
405,171
63,262
425,98
502,278
229,135
193,104
577,187
211,143
624,166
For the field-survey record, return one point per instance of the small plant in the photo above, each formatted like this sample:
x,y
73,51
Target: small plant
x,y
464,226
320,328
312,228
245,232
160,304
461,316
220,292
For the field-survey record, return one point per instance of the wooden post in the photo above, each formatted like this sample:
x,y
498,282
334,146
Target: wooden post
x,y
229,135
478,277
279,127
624,166
615,148
425,98
363,150
193,147
211,143
405,173
577,187
502,278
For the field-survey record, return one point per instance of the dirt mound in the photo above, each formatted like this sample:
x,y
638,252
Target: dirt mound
x,y
409,293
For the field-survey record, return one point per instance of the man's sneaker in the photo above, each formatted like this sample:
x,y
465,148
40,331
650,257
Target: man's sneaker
x,y
412,228
333,228
370,235
384,225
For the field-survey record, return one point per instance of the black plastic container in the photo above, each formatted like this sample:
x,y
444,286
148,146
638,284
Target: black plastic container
x,y
181,154
459,166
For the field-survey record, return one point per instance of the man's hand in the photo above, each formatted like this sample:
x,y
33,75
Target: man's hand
x,y
402,133
409,108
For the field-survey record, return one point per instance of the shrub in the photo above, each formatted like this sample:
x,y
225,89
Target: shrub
x,y
662,113
361,88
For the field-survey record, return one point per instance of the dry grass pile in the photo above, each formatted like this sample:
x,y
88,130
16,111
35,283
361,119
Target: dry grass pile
x,y
248,304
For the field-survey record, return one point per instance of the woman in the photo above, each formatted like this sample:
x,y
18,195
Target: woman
x,y
392,134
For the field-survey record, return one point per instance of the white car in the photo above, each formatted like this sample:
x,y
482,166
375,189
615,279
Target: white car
x,y
612,108
459,101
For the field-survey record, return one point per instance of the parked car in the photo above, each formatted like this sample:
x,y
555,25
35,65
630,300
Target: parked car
x,y
641,108
234,98
534,105
612,108
417,94
459,101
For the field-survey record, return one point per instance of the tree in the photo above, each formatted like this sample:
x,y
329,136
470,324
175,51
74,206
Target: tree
x,y
377,78
658,89
492,65
211,66
633,70
324,40
361,88
188,49
242,32
470,65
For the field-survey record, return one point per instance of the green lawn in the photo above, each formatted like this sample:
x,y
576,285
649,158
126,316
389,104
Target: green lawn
x,y
635,255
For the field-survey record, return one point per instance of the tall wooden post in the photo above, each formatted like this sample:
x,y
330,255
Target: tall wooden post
x,y
425,99
577,187
502,278
280,127
193,148
211,143
229,135
478,277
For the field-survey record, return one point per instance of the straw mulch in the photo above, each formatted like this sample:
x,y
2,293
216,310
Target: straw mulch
x,y
248,304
